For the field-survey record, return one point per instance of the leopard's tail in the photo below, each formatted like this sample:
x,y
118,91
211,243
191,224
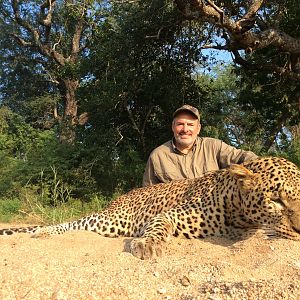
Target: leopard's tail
x,y
102,223
106,223
10,231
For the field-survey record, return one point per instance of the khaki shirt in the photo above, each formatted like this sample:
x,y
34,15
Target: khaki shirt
x,y
166,163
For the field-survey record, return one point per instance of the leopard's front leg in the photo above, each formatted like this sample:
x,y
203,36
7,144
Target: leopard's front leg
x,y
157,231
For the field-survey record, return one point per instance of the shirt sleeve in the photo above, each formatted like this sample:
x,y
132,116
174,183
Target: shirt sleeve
x,y
230,155
149,177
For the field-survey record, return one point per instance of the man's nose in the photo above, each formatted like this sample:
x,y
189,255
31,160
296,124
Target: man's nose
x,y
185,128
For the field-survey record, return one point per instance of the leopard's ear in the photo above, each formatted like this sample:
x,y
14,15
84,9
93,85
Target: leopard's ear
x,y
245,177
239,171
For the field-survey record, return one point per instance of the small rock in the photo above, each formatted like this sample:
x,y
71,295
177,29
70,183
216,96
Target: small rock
x,y
297,264
215,290
185,281
214,297
162,290
156,274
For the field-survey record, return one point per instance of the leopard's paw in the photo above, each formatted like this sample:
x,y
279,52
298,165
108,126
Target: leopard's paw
x,y
145,248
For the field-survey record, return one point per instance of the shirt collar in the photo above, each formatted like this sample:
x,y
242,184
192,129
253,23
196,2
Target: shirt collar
x,y
178,151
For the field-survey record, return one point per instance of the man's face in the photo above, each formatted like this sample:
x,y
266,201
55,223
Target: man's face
x,y
186,128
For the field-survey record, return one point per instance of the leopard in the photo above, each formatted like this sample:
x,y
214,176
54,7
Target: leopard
x,y
232,202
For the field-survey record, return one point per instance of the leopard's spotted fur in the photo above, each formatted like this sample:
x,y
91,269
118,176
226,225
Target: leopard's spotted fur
x,y
229,202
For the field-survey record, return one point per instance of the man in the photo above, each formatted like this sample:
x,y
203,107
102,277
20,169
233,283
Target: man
x,y
187,155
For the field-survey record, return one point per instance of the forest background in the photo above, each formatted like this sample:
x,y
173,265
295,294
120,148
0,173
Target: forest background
x,y
88,89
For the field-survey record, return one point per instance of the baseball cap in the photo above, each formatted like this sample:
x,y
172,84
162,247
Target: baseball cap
x,y
188,108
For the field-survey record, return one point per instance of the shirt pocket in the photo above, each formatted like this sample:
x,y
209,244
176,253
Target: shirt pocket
x,y
210,166
169,176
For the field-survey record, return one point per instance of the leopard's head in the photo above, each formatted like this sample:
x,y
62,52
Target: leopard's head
x,y
270,193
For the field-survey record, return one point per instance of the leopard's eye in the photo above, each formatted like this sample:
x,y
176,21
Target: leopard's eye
x,y
279,201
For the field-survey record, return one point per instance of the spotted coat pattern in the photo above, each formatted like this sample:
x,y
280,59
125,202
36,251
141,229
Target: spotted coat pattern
x,y
263,193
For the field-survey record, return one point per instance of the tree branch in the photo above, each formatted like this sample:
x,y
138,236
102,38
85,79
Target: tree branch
x,y
266,67
76,40
253,9
47,21
23,23
21,41
193,9
241,33
49,4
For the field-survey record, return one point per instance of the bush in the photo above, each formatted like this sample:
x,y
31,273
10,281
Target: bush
x,y
9,209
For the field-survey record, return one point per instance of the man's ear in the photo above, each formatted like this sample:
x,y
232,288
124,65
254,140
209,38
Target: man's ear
x,y
245,178
173,125
199,127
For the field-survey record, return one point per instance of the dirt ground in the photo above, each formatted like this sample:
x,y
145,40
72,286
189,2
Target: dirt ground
x,y
84,265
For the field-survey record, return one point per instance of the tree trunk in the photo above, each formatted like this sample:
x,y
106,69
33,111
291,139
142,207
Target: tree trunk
x,y
41,35
68,121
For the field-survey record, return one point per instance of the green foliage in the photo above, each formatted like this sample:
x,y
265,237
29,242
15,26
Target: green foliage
x,y
34,156
31,209
140,63
272,105
240,114
222,116
9,209
293,153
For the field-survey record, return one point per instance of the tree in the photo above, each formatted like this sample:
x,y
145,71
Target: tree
x,y
250,26
263,37
53,36
139,77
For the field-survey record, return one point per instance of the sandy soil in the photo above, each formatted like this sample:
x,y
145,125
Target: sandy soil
x,y
83,265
